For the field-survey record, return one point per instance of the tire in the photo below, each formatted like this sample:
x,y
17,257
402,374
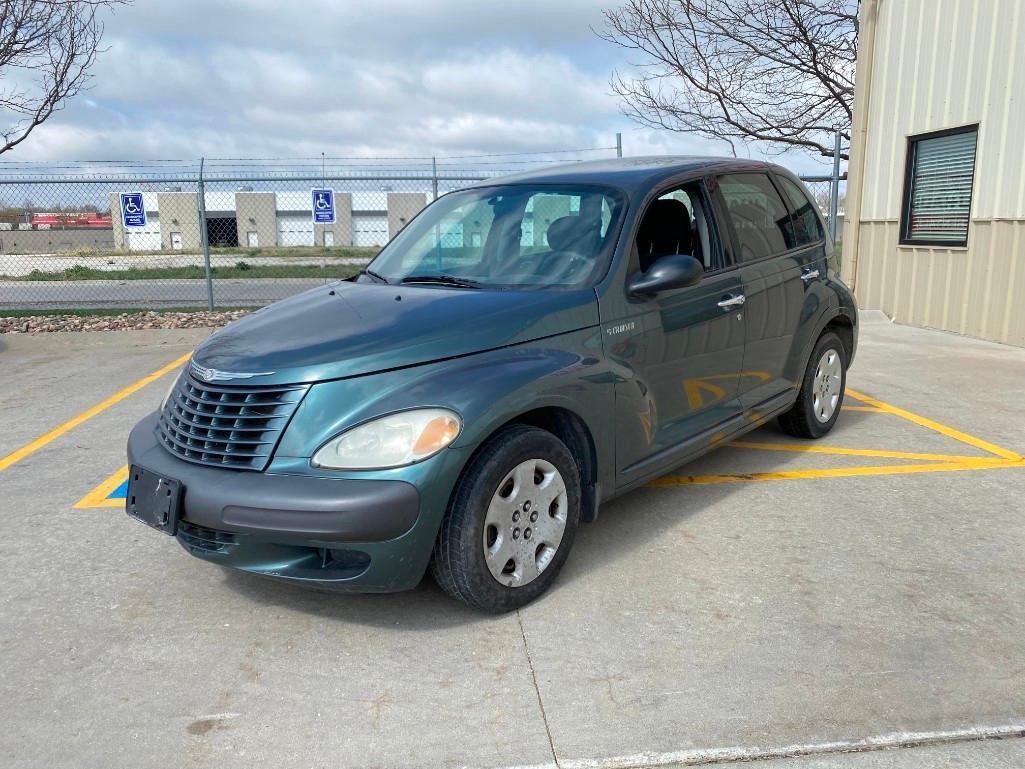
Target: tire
x,y
496,510
822,390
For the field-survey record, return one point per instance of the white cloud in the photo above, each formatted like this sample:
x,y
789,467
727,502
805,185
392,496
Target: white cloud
x,y
259,78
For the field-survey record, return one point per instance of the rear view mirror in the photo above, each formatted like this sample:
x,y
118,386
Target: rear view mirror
x,y
666,274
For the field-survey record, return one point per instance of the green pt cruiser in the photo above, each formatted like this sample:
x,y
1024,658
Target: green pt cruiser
x,y
524,350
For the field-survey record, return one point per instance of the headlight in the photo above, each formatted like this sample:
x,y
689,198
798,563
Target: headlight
x,y
396,440
167,397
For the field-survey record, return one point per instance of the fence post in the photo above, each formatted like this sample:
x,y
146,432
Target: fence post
x,y
619,145
834,188
204,239
434,176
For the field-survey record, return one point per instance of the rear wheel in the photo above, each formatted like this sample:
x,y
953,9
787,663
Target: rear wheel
x,y
511,521
822,390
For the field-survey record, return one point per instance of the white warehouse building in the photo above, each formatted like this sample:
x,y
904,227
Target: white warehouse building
x,y
263,219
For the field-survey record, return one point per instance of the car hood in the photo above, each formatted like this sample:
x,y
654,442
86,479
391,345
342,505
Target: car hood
x,y
348,329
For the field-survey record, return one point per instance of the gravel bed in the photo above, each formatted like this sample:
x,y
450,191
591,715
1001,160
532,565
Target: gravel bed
x,y
42,324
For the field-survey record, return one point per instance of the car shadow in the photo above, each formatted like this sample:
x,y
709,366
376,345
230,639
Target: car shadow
x,y
624,526
424,608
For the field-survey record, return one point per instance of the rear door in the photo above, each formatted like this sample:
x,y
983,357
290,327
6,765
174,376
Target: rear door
x,y
774,269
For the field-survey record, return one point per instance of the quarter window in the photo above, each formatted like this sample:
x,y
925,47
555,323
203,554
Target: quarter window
x,y
938,188
761,222
807,226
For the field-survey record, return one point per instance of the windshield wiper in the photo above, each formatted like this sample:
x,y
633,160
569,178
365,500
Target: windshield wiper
x,y
442,280
372,274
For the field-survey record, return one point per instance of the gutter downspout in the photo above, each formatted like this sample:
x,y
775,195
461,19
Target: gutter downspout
x,y
868,18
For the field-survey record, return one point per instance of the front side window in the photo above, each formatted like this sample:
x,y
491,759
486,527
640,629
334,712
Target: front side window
x,y
508,236
761,222
807,226
938,188
675,223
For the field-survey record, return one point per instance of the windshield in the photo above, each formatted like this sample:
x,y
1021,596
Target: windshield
x,y
508,236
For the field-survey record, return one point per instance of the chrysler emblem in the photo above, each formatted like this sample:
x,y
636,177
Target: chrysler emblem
x,y
213,375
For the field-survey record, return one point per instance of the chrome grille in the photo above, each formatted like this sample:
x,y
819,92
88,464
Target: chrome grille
x,y
233,426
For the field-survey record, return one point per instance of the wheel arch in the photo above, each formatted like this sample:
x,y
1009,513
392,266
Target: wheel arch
x,y
843,327
569,427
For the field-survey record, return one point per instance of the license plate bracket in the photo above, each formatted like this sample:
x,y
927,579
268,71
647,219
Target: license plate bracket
x,y
154,499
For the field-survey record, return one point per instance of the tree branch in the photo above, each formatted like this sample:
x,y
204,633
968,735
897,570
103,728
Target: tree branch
x,y
47,48
779,72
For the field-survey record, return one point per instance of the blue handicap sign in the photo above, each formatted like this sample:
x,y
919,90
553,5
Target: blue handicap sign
x,y
133,212
324,206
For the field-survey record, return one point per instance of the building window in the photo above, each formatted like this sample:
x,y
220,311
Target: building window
x,y
938,188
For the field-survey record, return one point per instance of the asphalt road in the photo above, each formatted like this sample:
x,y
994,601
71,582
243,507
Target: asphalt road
x,y
150,294
820,611
16,265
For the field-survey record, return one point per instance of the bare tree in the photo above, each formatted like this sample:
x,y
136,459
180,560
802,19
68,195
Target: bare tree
x,y
47,48
773,71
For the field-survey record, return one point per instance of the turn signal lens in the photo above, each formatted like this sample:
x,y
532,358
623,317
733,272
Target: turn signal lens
x,y
396,440
436,435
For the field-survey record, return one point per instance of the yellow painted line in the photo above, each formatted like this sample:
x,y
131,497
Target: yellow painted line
x,y
848,407
847,452
838,472
71,424
942,429
98,496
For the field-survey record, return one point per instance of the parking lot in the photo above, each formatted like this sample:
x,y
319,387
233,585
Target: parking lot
x,y
857,601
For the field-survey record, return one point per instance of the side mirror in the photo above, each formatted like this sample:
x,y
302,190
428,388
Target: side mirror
x,y
667,273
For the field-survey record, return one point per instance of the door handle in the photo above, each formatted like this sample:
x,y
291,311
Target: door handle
x,y
730,301
809,275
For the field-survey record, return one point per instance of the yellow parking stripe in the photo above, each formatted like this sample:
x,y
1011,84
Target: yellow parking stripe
x,y
838,472
942,429
98,496
846,452
57,432
849,407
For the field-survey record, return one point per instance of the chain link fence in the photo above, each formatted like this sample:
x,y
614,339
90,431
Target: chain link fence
x,y
226,233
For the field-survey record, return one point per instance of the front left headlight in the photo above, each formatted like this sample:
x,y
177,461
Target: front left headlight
x,y
397,440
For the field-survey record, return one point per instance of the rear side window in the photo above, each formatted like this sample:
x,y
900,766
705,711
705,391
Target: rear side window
x,y
807,227
760,220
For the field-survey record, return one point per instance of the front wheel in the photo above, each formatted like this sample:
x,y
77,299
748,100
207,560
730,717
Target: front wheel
x,y
822,390
511,521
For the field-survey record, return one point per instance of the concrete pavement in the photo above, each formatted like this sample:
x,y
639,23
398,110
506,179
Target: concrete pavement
x,y
831,616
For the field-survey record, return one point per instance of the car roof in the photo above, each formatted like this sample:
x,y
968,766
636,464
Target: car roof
x,y
634,174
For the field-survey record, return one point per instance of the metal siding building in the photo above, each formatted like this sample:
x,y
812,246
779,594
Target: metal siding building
x,y
923,67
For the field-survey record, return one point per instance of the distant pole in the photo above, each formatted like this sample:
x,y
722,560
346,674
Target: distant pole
x,y
434,176
204,239
834,188
619,145
323,229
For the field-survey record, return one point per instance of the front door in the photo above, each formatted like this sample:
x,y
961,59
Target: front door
x,y
680,355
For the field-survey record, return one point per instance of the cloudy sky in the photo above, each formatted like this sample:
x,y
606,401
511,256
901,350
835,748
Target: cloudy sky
x,y
268,78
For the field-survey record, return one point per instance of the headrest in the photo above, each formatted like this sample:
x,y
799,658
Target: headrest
x,y
573,233
664,231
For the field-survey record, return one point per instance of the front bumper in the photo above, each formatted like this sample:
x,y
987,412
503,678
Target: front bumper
x,y
348,534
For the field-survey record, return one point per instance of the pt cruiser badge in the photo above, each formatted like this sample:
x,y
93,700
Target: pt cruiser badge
x,y
213,375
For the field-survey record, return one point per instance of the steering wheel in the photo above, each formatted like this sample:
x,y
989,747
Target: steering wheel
x,y
563,264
